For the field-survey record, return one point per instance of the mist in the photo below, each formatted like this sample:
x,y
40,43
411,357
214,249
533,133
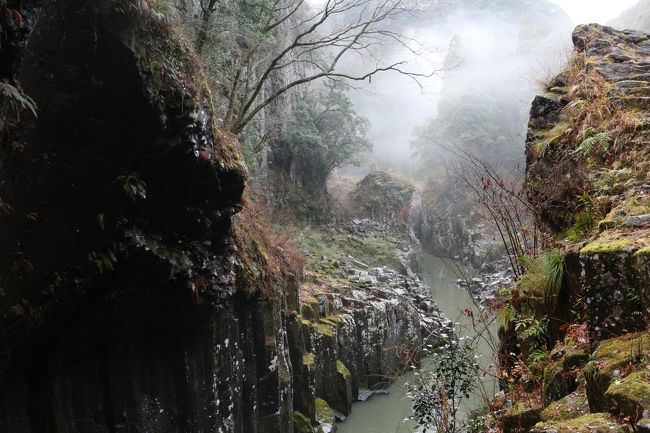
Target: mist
x,y
501,54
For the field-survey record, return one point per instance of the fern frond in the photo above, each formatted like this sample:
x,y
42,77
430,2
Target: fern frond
x,y
592,140
17,95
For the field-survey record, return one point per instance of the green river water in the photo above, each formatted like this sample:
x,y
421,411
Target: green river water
x,y
389,413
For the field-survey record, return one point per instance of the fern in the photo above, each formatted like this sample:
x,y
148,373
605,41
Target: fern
x,y
536,330
537,356
592,139
17,95
507,315
531,330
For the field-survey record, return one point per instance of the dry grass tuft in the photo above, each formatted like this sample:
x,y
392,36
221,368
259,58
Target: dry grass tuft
x,y
592,107
270,262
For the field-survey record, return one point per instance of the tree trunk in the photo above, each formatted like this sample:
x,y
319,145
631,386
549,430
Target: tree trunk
x,y
205,25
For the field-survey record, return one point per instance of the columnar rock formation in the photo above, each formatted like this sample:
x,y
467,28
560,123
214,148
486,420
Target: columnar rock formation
x,y
131,297
588,160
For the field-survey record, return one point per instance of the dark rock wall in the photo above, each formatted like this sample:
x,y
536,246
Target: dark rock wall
x,y
204,373
449,226
123,305
118,308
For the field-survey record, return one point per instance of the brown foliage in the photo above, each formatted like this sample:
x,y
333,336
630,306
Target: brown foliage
x,y
270,261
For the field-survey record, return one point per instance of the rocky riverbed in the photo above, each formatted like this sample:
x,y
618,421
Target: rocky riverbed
x,y
362,325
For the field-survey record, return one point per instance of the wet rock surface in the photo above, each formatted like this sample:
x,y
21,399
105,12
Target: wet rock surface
x,y
613,265
486,285
125,305
596,377
365,327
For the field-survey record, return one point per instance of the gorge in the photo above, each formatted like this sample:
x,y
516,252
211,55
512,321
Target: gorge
x,y
168,267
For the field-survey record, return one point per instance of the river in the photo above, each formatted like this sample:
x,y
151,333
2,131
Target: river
x,y
389,413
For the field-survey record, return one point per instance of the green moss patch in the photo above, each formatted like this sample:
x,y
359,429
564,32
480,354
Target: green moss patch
x,y
616,353
301,424
326,249
521,418
606,224
645,251
591,423
323,328
631,395
342,369
607,246
611,356
308,359
572,406
324,413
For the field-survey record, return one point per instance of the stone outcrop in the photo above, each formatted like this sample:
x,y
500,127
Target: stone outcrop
x,y
590,130
447,225
383,197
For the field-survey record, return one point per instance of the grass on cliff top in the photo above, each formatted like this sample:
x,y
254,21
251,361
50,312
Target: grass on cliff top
x,y
620,352
596,131
322,245
590,423
268,260
617,241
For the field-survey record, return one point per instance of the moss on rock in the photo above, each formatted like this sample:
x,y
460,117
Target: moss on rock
x,y
560,376
590,423
342,369
325,416
308,311
572,406
323,328
301,423
609,358
521,418
631,395
308,359
607,246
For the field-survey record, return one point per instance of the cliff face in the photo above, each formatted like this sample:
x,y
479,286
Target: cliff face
x,y
587,165
132,297
591,130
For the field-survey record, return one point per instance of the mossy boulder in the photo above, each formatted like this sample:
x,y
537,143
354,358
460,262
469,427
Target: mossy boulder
x,y
560,377
521,418
385,198
301,423
325,417
607,361
572,406
590,423
556,382
615,285
631,395
309,309
343,387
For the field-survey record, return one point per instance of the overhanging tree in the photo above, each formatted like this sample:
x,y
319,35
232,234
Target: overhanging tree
x,y
261,50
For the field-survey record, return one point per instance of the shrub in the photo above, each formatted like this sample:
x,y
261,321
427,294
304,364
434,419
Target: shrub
x,y
437,393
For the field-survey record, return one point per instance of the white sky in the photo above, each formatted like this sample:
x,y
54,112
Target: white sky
x,y
590,11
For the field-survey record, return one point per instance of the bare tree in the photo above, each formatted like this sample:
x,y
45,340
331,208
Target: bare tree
x,y
503,195
285,43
